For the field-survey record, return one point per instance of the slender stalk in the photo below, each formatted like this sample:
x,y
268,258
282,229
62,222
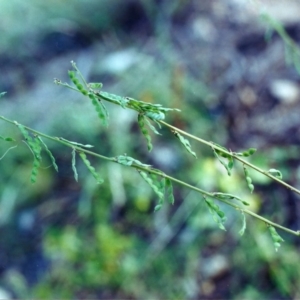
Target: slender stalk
x,y
62,141
157,172
212,145
237,207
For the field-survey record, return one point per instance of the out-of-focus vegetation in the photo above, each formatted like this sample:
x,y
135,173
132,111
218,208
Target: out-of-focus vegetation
x,y
63,239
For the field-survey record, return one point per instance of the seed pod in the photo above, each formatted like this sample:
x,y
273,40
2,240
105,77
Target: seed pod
x,y
249,152
90,167
277,239
275,173
100,109
34,171
169,191
74,79
248,179
141,123
216,213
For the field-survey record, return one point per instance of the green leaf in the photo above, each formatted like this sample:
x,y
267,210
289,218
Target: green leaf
x,y
49,153
152,127
128,161
275,173
90,167
229,165
155,115
122,101
161,186
230,162
141,123
153,111
166,109
7,139
169,191
277,239
96,86
226,196
34,145
159,180
248,179
2,94
155,184
36,149
242,231
216,213
157,207
24,132
185,143
74,164
219,152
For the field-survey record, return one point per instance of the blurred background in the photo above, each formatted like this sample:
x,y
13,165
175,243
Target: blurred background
x,y
235,80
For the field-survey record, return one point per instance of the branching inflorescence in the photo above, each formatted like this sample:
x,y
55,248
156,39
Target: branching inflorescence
x,y
149,115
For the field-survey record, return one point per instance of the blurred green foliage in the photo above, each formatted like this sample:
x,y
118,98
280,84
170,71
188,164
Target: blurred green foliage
x,y
43,17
